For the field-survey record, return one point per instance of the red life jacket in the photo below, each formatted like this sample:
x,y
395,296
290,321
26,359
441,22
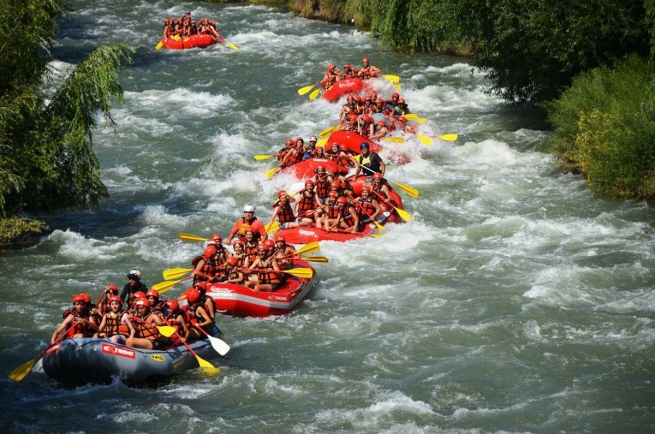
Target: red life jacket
x,y
333,211
365,208
322,186
285,213
250,250
347,218
144,329
306,203
269,278
78,327
114,326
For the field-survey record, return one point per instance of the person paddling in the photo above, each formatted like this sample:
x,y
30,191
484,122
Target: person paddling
x,y
371,162
133,286
76,321
248,221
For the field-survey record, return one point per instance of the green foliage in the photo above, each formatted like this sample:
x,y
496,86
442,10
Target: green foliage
x,y
532,49
46,156
604,129
14,229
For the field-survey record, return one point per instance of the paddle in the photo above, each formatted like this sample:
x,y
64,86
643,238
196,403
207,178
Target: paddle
x,y
326,132
322,259
175,273
447,137
411,191
394,139
219,345
265,157
424,139
303,273
321,143
160,45
190,237
272,227
397,87
270,173
313,95
377,225
308,248
162,287
231,45
391,78
414,117
304,90
19,373
204,364
401,212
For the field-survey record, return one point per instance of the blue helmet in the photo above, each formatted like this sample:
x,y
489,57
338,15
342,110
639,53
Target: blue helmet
x,y
364,145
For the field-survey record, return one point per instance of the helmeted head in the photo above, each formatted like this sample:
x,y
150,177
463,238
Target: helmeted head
x,y
342,200
331,67
382,124
249,234
172,306
112,289
79,299
320,152
395,95
352,117
209,251
367,119
269,244
401,101
346,67
152,293
379,101
313,139
134,275
193,295
140,295
377,176
86,297
365,191
115,301
249,209
363,146
217,238
365,61
237,245
233,261
320,169
288,143
309,184
280,239
281,194
142,305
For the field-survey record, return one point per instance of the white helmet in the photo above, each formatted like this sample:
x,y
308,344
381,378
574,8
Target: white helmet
x,y
248,208
134,274
313,139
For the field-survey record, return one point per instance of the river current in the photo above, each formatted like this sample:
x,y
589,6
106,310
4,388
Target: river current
x,y
516,301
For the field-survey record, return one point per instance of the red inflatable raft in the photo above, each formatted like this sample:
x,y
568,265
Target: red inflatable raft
x,y
306,168
238,300
350,140
343,87
193,41
308,234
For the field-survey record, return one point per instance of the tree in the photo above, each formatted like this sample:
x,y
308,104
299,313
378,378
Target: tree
x,y
46,156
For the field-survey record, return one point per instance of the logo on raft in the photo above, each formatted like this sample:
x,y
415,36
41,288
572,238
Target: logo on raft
x,y
53,348
157,357
115,351
277,298
304,232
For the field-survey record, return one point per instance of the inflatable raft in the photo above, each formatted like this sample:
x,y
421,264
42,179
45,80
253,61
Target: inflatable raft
x,y
193,41
238,300
93,360
351,141
344,87
305,169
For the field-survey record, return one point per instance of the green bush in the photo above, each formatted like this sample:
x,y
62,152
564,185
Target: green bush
x,y
604,130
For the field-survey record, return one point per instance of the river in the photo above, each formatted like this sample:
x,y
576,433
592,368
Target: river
x,y
514,302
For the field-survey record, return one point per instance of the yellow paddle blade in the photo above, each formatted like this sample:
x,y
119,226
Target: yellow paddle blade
x,y
263,157
313,95
303,273
326,132
414,117
403,214
378,225
207,367
321,143
273,227
270,173
315,259
397,87
190,237
19,373
162,287
160,45
304,90
176,37
424,139
175,273
394,139
312,247
448,137
231,45
376,235
391,78
407,189
166,330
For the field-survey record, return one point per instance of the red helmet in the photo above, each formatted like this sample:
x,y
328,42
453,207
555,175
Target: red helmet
x,y
280,238
237,243
401,101
342,200
78,297
289,142
382,123
349,98
115,298
173,305
365,60
333,194
331,67
352,117
193,295
357,98
309,182
395,95
112,289
261,246
140,294
377,175
374,95
346,66
152,292
281,193
210,250
366,189
217,238
143,302
320,168
300,139
233,261
367,119
269,243
87,297
337,183
379,101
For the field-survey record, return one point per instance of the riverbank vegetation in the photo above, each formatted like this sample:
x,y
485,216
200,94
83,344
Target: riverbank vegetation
x,y
590,64
46,151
